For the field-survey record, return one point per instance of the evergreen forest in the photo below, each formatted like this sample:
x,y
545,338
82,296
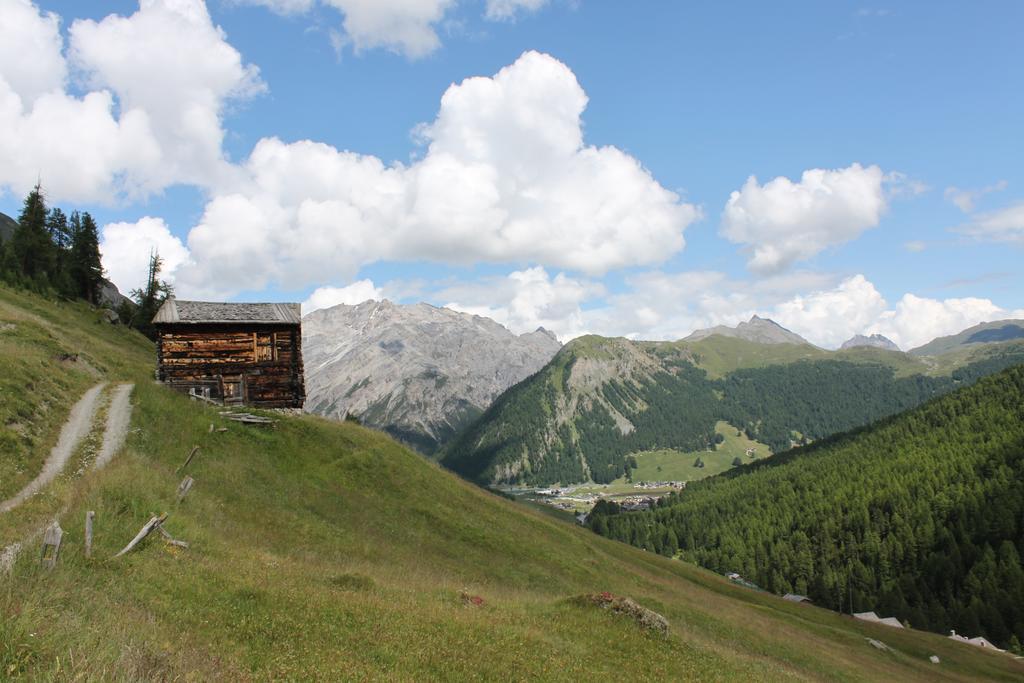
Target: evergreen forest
x,y
523,439
920,517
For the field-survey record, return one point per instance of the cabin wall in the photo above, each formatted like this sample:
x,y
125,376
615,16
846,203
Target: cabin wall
x,y
258,365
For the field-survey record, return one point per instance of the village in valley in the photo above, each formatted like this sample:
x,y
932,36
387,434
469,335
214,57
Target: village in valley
x,y
658,474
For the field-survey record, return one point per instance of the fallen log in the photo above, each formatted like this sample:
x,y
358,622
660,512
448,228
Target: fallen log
x,y
143,532
192,454
170,539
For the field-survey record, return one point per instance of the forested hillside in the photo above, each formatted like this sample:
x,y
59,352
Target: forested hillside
x,y
921,516
600,400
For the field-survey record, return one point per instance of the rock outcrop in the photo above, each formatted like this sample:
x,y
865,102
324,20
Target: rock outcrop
x,y
416,371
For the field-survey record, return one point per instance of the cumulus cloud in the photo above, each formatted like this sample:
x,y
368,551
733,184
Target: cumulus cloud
x,y
506,178
159,80
525,300
782,222
355,293
1003,225
966,199
504,10
916,320
407,27
31,63
826,312
126,248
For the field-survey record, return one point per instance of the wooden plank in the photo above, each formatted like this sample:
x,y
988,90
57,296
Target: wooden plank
x,y
184,487
192,454
89,516
51,545
143,532
170,539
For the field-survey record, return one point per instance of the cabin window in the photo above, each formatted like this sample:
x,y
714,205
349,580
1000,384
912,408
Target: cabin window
x,y
264,347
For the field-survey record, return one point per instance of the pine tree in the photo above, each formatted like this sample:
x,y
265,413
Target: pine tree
x,y
61,237
151,298
85,266
31,252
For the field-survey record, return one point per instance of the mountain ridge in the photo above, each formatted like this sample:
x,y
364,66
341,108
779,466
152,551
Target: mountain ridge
x,y
757,329
415,370
995,331
876,341
601,400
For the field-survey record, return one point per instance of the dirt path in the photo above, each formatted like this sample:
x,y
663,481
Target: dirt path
x,y
71,434
77,427
119,415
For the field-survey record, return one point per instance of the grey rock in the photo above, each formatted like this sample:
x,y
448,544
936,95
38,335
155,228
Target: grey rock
x,y
110,296
417,371
110,316
875,341
757,329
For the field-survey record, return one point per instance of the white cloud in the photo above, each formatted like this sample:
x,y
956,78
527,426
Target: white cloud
x,y
504,10
407,27
160,79
403,26
31,63
826,312
783,222
170,63
126,248
830,317
966,199
506,178
915,246
916,320
355,293
283,7
1003,225
525,300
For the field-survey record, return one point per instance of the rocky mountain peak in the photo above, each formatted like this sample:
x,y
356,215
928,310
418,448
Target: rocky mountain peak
x,y
757,329
416,371
876,341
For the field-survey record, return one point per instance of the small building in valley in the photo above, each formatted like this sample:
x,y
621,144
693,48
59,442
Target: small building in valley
x,y
793,597
232,353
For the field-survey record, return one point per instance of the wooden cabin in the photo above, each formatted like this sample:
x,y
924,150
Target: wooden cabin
x,y
235,354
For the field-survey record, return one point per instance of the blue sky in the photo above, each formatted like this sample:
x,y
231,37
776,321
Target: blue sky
x,y
897,126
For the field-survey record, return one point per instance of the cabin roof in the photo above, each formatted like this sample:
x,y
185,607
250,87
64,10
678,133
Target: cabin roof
x,y
174,311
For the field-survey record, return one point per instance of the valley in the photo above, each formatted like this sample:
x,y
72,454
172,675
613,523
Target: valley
x,y
601,401
327,550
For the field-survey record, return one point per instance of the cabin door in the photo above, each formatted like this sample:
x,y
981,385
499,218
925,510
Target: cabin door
x,y
234,389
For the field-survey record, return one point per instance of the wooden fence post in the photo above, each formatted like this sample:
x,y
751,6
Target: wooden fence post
x,y
88,532
51,539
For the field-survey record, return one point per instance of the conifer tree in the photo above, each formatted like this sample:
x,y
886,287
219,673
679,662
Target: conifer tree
x,y
31,251
150,298
86,268
61,237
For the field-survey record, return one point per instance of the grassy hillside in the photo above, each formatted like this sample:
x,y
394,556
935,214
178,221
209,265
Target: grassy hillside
x,y
984,333
327,551
50,353
921,516
601,400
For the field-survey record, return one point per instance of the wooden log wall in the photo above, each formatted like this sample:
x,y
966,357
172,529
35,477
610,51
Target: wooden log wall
x,y
262,363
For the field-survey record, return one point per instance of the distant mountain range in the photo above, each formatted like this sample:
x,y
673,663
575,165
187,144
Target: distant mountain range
x,y
875,341
985,333
757,329
416,371
601,400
